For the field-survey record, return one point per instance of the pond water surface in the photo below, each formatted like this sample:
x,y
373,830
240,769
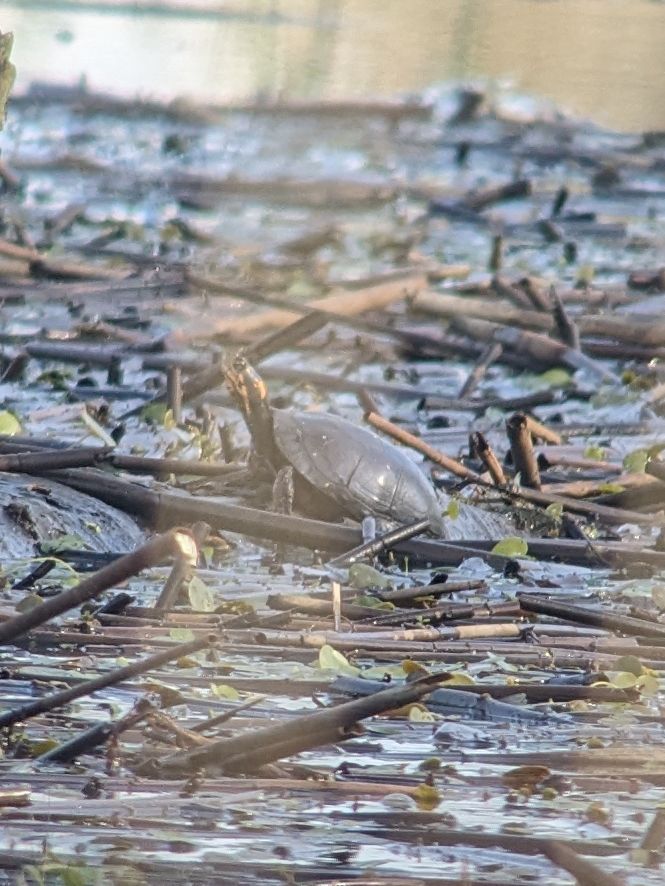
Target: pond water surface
x,y
599,59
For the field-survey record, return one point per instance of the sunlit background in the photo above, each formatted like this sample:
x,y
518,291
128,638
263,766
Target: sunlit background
x,y
603,59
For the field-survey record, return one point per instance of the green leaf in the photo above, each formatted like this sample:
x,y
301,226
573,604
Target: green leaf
x,y
332,660
622,679
362,576
630,664
556,378
635,462
155,413
453,509
594,451
648,684
76,875
9,424
372,603
511,546
181,635
611,488
419,714
555,510
29,602
62,543
201,598
459,679
223,690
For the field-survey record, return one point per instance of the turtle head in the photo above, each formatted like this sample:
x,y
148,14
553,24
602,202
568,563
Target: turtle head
x,y
250,393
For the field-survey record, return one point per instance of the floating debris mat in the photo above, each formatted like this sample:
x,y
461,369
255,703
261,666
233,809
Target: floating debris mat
x,y
332,493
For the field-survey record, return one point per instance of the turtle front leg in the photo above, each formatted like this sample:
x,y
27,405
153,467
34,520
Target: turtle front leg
x,y
283,494
283,491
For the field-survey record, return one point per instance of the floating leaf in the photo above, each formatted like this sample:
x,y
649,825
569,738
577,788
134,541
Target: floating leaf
x,y
9,424
332,660
556,378
373,602
155,413
420,714
62,543
362,576
223,690
648,684
611,488
200,596
414,669
453,509
525,776
635,462
459,679
181,635
42,746
629,663
555,510
511,546
29,602
595,452
427,797
622,680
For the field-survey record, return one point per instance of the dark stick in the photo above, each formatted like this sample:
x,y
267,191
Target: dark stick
x,y
95,736
610,621
521,447
491,353
37,461
567,329
155,551
112,678
559,201
139,464
488,458
38,572
265,745
496,254
382,543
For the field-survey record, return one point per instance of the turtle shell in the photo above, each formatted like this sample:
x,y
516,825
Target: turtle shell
x,y
361,472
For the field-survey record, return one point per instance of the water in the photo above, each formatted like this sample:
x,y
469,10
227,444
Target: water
x,y
597,59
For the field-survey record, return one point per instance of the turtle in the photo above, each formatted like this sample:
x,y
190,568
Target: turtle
x,y
343,469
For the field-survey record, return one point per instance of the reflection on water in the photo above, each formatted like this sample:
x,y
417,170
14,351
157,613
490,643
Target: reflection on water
x,y
600,58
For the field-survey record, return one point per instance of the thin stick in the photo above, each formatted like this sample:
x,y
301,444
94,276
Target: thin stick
x,y
408,439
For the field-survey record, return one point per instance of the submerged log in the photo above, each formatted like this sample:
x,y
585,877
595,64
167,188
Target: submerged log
x,y
35,510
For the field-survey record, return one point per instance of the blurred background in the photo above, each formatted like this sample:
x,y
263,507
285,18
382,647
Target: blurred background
x,y
603,59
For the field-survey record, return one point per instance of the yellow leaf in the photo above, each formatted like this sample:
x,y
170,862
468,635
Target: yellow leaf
x,y
420,714
427,797
332,660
